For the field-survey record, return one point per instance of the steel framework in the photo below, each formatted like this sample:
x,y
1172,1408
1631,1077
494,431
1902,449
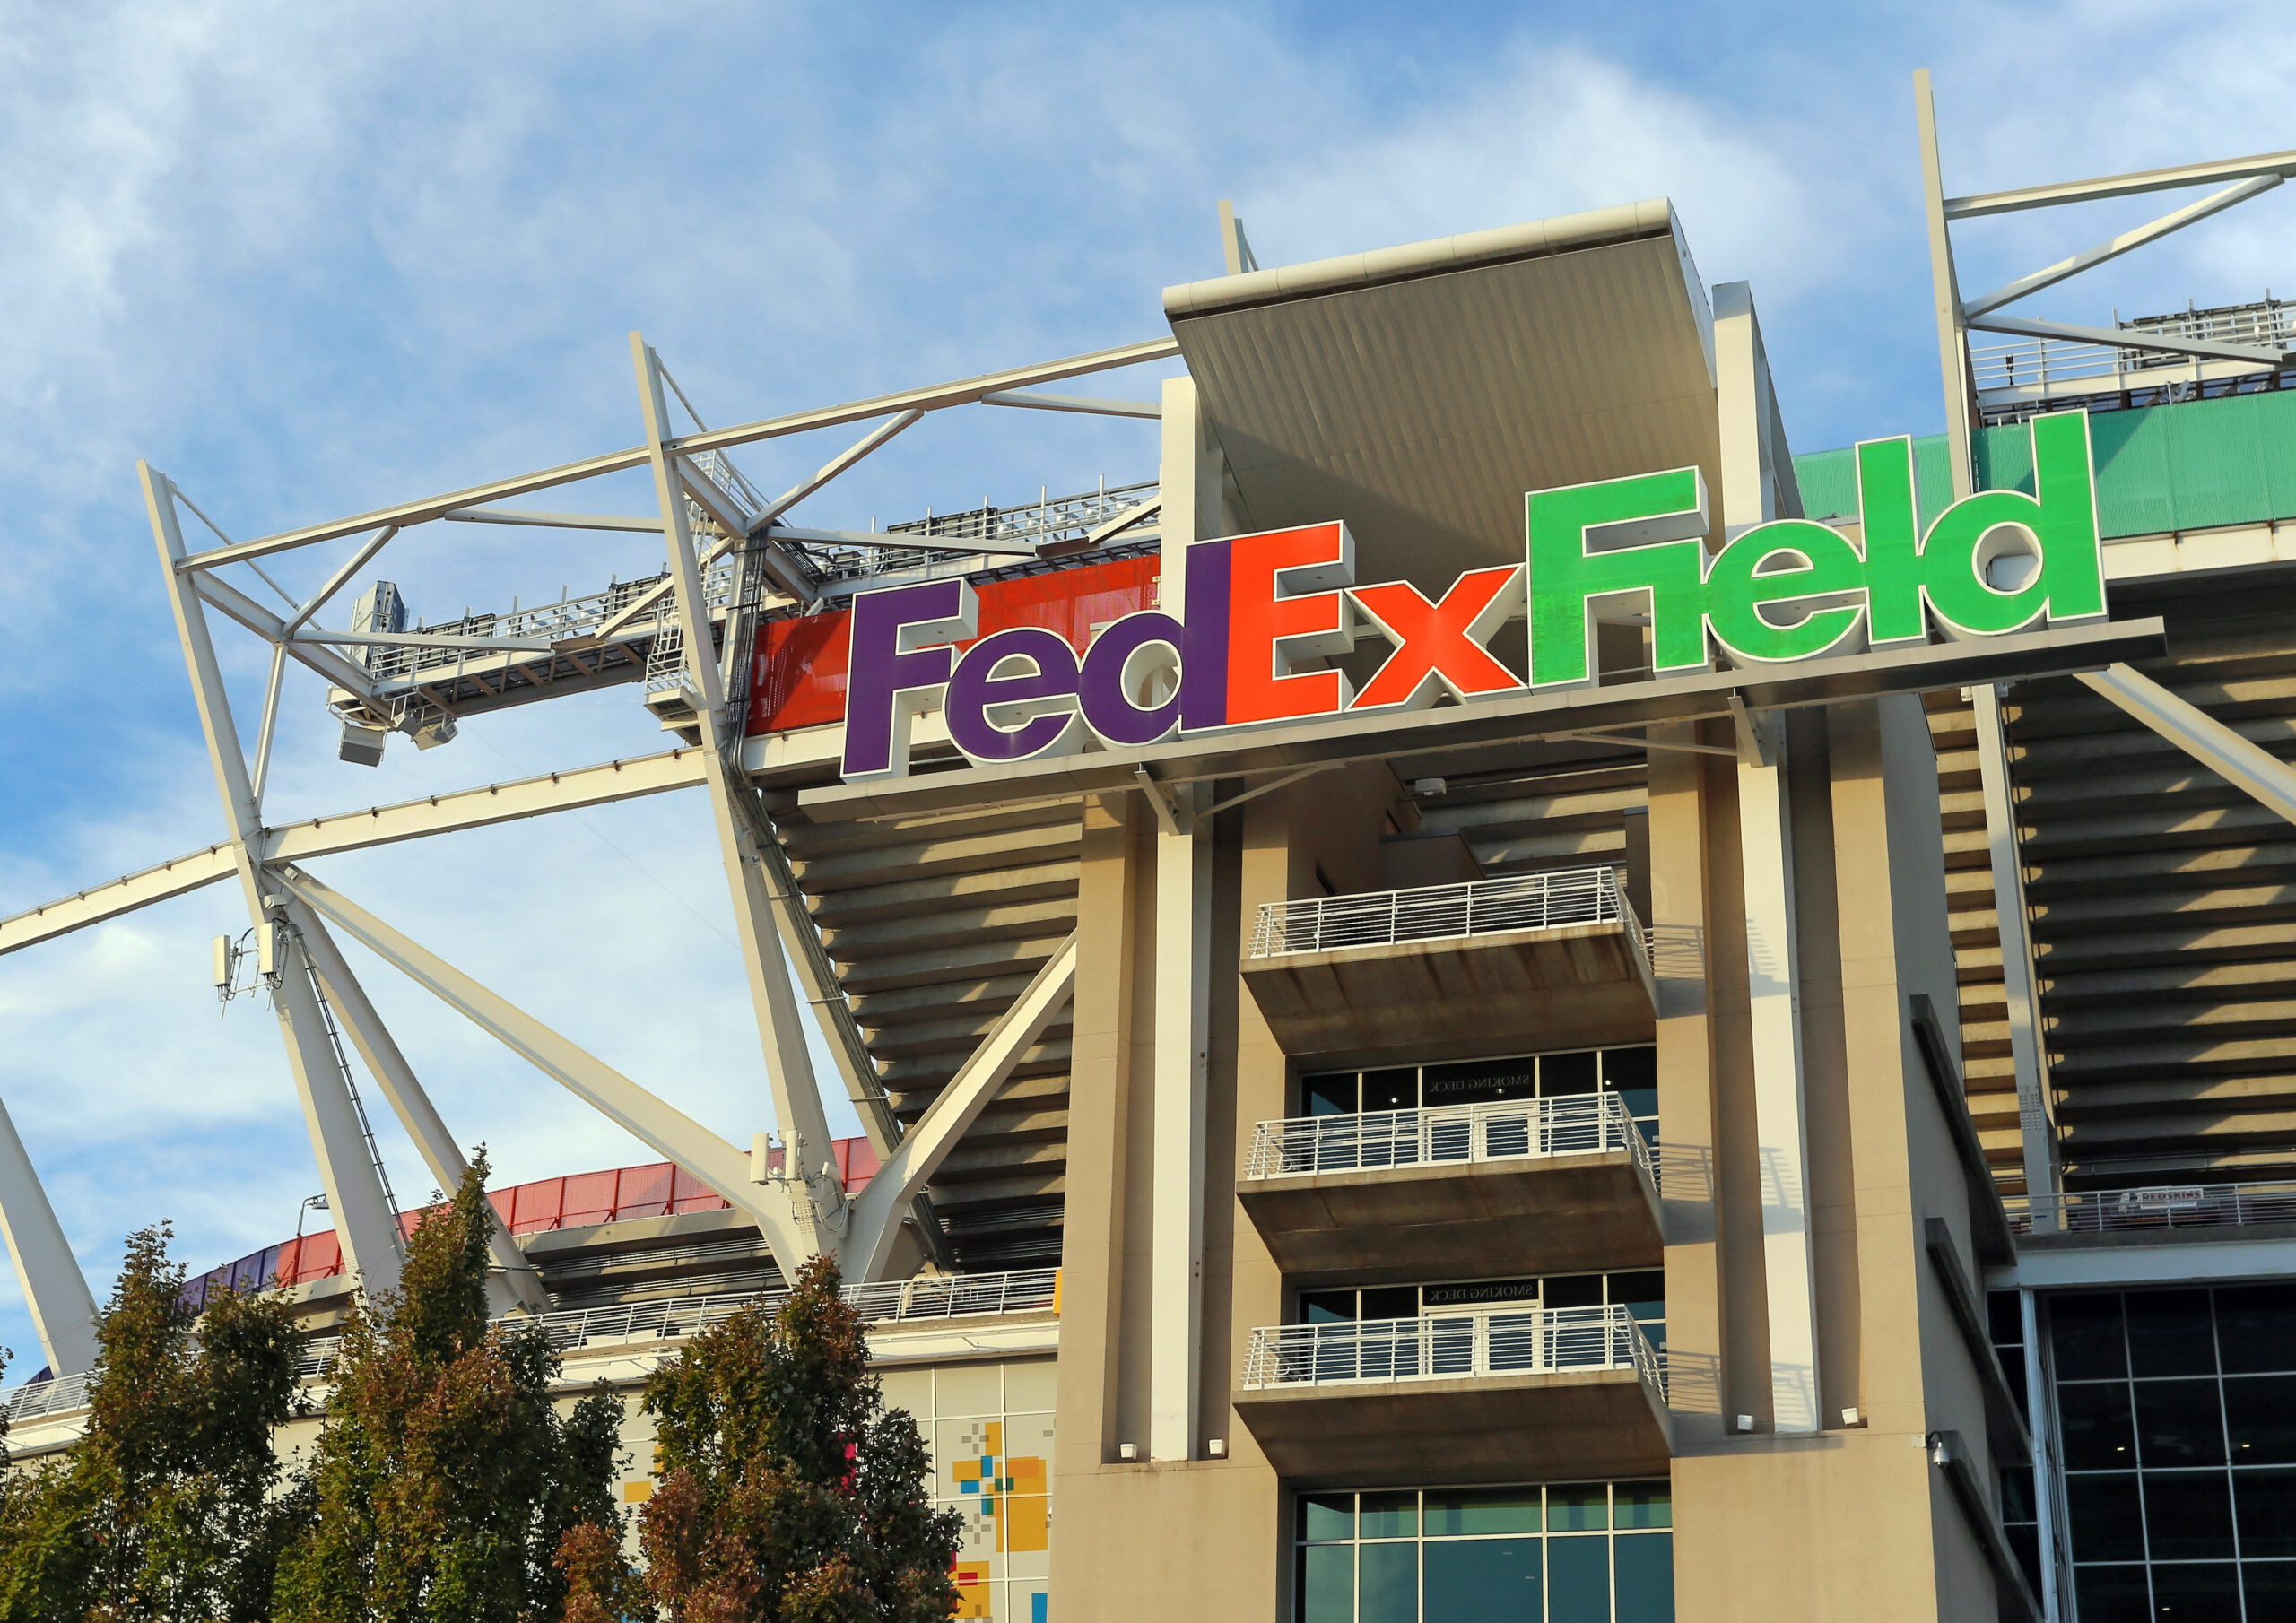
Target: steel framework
x,y
729,556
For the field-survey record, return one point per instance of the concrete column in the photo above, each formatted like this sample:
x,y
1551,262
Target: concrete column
x,y
1182,1025
1191,478
1750,459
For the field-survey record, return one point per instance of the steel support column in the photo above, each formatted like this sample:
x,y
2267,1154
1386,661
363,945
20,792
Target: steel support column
x,y
1953,336
361,1210
817,1196
2019,985
2247,767
672,1133
408,1100
892,1192
63,1309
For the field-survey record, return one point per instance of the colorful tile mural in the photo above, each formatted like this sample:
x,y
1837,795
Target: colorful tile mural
x,y
990,1429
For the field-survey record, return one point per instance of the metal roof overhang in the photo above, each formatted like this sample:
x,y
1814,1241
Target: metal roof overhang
x,y
1525,719
1418,392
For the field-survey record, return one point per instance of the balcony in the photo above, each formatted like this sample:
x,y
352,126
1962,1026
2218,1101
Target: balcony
x,y
1545,1186
1554,960
2189,1209
1496,1394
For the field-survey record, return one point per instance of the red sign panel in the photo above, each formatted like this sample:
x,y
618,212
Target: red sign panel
x,y
798,679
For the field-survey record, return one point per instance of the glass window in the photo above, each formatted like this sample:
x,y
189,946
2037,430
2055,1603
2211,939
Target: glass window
x,y
2187,1515
1643,1505
2112,1594
2095,1421
2108,1517
1643,1577
1574,1291
2017,1493
2176,1418
1393,1302
2004,1319
1386,1578
1327,1307
2260,1414
2270,1588
1579,1507
1390,1090
1326,1515
2267,1501
1476,1080
1573,1552
1389,1515
2179,1423
2200,1593
1567,1073
1498,1579
2085,1331
1632,1074
1578,1580
1327,1584
1469,1511
2256,1329
2169,1333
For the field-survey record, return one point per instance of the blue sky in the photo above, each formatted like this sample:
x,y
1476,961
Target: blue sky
x,y
311,259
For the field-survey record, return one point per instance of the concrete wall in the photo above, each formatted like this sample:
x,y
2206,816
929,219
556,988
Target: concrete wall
x,y
1853,1521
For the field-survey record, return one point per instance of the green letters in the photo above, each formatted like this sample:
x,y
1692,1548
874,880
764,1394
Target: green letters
x,y
1621,536
1993,563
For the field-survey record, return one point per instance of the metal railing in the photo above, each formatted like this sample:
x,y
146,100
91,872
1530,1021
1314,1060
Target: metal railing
x,y
2175,1206
1483,907
1493,1131
38,1398
2056,366
1049,521
554,622
924,1298
1452,1346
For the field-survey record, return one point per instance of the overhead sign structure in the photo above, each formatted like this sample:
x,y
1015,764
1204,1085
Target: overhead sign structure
x,y
1260,614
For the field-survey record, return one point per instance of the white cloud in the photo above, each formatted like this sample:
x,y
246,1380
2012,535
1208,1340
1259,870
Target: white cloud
x,y
313,259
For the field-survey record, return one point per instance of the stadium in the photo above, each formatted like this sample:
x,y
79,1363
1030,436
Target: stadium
x,y
1489,994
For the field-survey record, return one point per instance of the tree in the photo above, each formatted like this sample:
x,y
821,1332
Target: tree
x,y
445,1484
789,1493
166,1509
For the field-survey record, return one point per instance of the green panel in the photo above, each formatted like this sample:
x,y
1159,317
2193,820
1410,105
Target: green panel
x,y
1933,477
2130,452
1829,479
2188,466
1829,482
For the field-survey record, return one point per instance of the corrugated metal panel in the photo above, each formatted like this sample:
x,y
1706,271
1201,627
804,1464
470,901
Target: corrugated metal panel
x,y
2188,466
1420,412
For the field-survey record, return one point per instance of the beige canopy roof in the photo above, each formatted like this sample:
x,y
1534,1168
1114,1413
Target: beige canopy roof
x,y
1418,392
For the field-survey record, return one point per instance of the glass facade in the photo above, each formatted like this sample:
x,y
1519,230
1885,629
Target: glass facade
x,y
1567,1552
1642,1293
2177,1411
1630,1073
2020,1510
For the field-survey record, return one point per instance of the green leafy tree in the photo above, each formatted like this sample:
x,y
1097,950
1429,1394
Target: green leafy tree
x,y
167,1507
445,1484
789,1493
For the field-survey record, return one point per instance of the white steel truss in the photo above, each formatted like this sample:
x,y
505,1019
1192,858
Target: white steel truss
x,y
712,523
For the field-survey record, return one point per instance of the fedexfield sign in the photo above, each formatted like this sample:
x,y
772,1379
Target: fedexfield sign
x,y
1254,608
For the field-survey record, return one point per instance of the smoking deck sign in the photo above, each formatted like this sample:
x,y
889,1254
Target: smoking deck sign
x,y
1257,615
